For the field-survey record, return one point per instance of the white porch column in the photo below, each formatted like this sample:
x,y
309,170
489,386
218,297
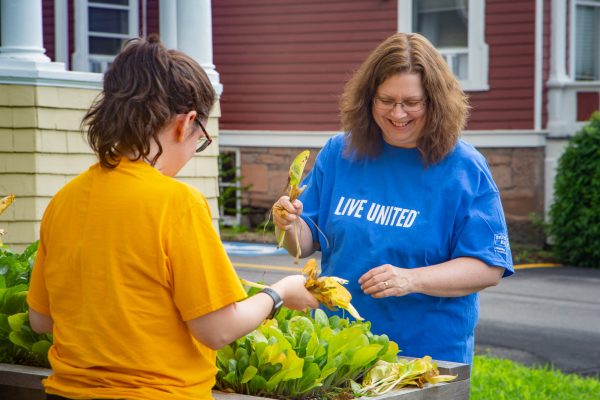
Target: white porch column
x,y
561,102
558,111
22,31
194,35
168,22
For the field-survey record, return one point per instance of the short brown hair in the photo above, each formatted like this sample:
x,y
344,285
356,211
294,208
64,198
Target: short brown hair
x,y
447,106
144,88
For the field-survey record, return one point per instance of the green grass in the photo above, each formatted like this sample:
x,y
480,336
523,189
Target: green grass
x,y
506,380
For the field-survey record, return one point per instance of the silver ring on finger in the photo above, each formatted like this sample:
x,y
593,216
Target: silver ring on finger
x,y
386,284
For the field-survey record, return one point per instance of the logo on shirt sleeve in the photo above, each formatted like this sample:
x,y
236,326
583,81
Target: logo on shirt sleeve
x,y
501,244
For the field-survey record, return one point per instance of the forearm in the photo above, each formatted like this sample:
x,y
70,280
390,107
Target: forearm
x,y
454,278
303,233
223,326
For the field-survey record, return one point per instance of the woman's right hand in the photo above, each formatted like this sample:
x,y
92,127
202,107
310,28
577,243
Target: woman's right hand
x,y
294,294
285,220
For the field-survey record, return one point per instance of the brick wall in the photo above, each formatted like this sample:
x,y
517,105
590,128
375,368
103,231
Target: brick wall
x,y
518,172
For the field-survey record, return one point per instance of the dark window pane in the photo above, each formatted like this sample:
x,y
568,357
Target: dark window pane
x,y
117,2
107,20
444,22
587,44
107,46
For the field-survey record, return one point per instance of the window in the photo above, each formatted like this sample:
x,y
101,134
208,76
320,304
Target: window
x,y
102,28
230,188
456,29
587,40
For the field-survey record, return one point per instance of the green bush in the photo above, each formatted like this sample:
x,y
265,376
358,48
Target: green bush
x,y
506,380
575,214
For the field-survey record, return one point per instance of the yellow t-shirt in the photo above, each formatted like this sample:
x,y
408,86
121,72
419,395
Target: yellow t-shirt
x,y
127,256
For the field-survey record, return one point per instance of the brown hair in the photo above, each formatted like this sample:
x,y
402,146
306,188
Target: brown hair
x,y
447,106
144,88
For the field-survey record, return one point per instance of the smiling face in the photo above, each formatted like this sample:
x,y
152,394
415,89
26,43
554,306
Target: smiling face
x,y
400,128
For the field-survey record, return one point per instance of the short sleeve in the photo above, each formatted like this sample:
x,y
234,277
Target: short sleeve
x,y
203,279
311,197
481,233
37,296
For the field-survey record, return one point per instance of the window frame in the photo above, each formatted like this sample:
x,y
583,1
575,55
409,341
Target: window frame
x,y
478,50
572,36
82,58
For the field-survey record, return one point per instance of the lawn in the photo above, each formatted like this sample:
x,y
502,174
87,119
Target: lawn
x,y
506,380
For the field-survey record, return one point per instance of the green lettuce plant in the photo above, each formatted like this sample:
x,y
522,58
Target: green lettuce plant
x,y
19,344
298,356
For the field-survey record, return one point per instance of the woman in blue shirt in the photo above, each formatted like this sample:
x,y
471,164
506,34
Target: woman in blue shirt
x,y
401,207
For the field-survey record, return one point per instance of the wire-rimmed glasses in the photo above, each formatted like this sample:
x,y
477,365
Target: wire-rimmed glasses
x,y
407,105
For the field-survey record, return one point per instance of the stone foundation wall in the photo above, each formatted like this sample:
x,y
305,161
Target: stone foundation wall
x,y
518,172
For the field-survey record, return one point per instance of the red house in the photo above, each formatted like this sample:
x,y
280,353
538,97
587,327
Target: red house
x,y
530,67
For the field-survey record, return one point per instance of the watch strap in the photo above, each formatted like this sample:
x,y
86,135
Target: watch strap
x,y
277,301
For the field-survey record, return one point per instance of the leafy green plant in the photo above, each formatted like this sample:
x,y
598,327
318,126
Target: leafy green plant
x,y
574,215
19,344
507,380
296,356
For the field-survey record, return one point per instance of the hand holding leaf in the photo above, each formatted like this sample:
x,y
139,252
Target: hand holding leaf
x,y
294,190
328,289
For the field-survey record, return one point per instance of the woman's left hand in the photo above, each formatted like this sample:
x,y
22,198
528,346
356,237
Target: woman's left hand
x,y
386,280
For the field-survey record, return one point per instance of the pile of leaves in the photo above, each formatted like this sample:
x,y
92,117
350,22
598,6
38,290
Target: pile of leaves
x,y
296,356
385,376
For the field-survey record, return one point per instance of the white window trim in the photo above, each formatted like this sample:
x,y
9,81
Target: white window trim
x,y
81,55
572,21
478,49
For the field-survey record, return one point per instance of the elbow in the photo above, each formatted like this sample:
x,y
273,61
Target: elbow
x,y
214,343
39,328
495,276
40,323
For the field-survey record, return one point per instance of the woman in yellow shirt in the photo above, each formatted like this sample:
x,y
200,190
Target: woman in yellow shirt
x,y
131,277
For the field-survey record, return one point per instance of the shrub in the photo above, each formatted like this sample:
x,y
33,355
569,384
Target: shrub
x,y
575,214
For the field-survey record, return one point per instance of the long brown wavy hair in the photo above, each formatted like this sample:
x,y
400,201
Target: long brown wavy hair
x,y
144,88
447,106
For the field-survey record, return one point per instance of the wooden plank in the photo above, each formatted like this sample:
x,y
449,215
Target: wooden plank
x,y
444,391
276,7
22,376
321,48
19,376
225,38
299,17
307,27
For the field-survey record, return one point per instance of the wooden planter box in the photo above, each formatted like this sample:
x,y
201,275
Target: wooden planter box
x,y
19,382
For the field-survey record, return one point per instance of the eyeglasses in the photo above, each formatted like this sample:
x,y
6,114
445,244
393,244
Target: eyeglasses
x,y
204,141
407,105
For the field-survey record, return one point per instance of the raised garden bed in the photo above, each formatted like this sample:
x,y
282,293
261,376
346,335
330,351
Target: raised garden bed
x,y
18,382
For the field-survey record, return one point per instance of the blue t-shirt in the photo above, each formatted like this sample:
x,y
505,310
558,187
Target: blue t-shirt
x,y
392,209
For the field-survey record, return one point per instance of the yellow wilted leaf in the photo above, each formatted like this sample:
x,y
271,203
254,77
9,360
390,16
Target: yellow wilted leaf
x,y
294,190
328,290
385,376
5,202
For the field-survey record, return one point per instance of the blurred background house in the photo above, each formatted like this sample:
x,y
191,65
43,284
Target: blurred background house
x,y
530,67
